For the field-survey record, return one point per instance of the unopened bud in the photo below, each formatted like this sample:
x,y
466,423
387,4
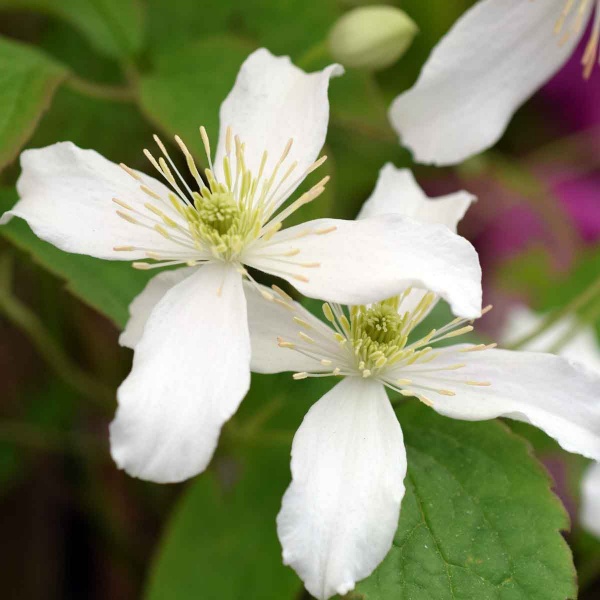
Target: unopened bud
x,y
371,37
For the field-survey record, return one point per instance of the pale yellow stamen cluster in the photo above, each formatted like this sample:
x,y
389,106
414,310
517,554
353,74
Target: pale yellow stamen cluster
x,y
570,23
374,342
226,214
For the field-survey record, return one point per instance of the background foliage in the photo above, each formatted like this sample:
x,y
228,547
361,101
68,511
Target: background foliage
x,y
479,519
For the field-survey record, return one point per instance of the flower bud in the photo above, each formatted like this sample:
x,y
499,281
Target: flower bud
x,y
371,37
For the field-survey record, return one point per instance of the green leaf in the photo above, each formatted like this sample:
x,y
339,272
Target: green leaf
x,y
107,286
28,80
113,27
478,519
168,28
222,543
291,27
188,85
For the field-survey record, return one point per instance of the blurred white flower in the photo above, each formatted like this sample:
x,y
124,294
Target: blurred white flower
x,y
492,60
191,367
579,343
590,500
340,513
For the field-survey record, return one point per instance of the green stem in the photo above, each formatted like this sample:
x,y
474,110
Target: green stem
x,y
576,304
24,434
26,320
101,91
514,177
379,133
313,55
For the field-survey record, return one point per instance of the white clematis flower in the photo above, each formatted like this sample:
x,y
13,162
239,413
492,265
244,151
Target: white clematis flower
x,y
191,367
340,513
492,60
590,500
578,343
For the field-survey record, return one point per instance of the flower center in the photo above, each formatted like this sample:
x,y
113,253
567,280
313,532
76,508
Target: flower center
x,y
232,208
217,221
374,341
377,335
571,21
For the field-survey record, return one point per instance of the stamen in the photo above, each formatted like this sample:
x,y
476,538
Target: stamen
x,y
130,172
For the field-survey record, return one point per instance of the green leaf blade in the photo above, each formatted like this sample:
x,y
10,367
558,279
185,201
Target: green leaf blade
x,y
107,286
28,80
221,543
478,519
114,27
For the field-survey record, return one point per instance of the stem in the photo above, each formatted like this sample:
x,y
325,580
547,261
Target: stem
x,y
24,434
520,180
101,91
577,303
314,54
26,320
375,132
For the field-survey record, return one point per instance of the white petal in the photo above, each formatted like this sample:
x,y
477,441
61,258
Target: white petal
x,y
146,300
340,513
66,197
358,262
270,320
580,347
590,500
550,392
397,192
272,102
191,370
494,58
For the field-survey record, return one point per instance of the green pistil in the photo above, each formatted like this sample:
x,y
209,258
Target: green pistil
x,y
377,335
220,223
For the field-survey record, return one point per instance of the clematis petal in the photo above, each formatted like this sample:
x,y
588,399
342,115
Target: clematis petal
x,y
492,60
581,347
340,513
358,262
191,370
272,102
269,320
552,393
66,197
143,304
590,500
397,192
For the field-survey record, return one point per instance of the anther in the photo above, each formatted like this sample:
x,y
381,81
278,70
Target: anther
x,y
283,294
298,376
128,217
130,171
305,337
123,204
302,323
150,193
325,230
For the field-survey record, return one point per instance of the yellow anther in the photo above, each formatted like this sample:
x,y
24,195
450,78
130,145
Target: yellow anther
x,y
127,217
130,172
303,323
305,337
